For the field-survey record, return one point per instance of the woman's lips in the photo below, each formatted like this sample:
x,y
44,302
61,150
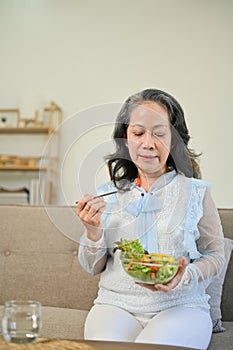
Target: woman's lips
x,y
147,158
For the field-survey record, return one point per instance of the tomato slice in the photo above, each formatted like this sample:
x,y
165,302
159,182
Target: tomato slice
x,y
155,268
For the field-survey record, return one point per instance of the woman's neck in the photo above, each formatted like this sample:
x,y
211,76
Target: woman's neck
x,y
147,180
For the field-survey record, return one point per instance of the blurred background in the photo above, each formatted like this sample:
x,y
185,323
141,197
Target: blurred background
x,y
88,56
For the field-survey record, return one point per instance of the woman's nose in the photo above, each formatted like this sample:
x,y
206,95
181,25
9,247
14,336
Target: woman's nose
x,y
148,141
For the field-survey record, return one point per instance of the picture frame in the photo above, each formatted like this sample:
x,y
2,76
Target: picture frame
x,y
9,117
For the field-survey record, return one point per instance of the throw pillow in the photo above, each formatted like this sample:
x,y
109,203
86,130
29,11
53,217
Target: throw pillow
x,y
214,290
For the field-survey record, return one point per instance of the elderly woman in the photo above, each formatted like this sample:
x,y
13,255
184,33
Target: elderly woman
x,y
170,210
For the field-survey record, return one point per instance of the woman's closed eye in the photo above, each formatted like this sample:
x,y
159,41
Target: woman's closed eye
x,y
159,134
138,133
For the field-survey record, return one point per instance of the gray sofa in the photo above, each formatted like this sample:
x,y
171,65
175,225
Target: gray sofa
x,y
38,260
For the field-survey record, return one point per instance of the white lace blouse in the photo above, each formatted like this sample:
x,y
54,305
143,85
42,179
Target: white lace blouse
x,y
178,217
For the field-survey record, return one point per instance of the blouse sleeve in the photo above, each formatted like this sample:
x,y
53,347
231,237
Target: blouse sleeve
x,y
210,244
92,255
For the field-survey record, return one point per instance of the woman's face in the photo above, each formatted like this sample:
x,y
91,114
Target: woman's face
x,y
149,139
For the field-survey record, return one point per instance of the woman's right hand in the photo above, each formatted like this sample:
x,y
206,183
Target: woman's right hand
x,y
89,210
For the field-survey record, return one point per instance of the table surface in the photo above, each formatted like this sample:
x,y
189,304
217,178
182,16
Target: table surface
x,y
53,344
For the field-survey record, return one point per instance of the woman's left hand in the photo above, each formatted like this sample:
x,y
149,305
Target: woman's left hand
x,y
171,284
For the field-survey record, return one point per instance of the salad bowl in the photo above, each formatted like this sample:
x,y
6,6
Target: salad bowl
x,y
144,267
150,268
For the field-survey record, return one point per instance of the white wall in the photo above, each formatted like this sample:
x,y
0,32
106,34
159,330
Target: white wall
x,y
83,53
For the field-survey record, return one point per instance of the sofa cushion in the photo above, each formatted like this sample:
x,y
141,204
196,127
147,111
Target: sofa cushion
x,y
215,290
222,340
63,323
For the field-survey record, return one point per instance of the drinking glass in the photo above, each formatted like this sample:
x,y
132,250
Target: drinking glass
x,y
21,322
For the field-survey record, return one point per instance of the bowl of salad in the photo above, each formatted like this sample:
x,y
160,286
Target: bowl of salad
x,y
146,268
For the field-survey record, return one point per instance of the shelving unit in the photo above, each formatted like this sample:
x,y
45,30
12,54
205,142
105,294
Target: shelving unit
x,y
22,167
30,167
24,130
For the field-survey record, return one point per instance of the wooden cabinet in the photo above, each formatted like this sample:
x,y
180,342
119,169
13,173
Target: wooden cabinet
x,y
21,166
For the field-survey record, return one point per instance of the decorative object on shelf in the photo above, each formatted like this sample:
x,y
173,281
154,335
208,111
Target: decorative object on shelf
x,y
9,117
47,118
7,160
11,161
51,117
25,122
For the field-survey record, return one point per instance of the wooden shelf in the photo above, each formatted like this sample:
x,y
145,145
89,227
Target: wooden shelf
x,y
22,167
26,130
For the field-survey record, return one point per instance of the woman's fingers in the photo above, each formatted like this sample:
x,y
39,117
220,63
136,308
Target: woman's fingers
x,y
176,279
173,283
90,209
83,202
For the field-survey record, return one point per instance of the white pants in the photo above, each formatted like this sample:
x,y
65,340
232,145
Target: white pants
x,y
178,326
